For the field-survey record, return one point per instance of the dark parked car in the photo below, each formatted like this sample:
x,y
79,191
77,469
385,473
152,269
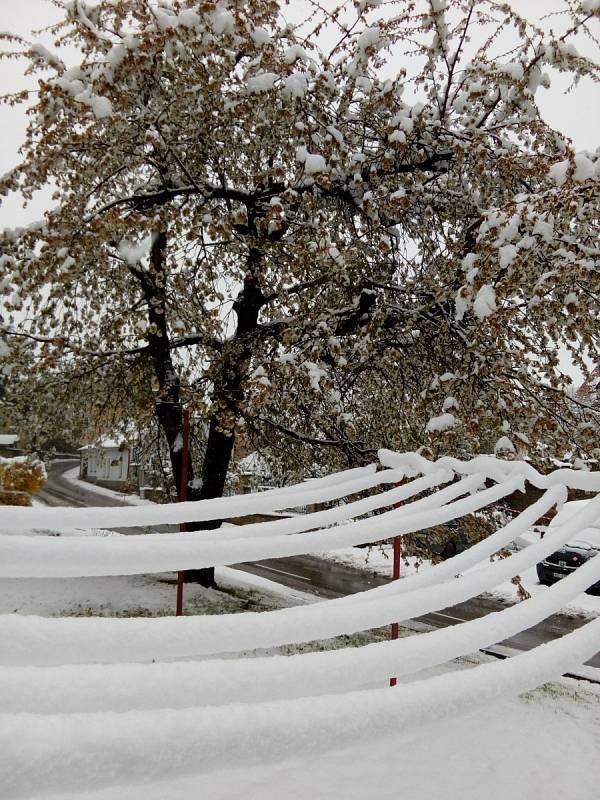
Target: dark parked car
x,y
580,548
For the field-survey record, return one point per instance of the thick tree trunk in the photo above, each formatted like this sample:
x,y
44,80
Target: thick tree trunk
x,y
168,406
170,416
228,392
217,457
228,395
219,449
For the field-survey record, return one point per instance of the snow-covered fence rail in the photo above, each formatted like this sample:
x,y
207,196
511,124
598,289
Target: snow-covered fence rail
x,y
319,490
102,639
74,557
82,751
107,692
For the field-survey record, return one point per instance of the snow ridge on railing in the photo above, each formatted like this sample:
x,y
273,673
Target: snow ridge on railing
x,y
136,639
87,686
491,468
318,490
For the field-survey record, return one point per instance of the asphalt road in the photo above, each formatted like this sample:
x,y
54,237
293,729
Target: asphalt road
x,y
58,491
311,574
326,579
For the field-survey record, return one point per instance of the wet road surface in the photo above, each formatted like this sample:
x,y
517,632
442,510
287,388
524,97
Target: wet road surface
x,y
327,580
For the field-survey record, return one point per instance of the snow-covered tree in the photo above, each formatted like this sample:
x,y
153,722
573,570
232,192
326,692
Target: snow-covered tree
x,y
353,231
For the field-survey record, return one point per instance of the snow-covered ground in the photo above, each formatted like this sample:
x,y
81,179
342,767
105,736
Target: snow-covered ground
x,y
542,746
380,560
142,595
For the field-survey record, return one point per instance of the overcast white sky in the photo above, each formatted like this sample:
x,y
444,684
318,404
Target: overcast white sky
x,y
577,113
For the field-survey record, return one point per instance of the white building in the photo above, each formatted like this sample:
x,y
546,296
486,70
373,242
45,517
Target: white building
x,y
106,460
8,443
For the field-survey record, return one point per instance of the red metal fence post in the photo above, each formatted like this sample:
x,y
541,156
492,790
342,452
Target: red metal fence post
x,y
185,453
396,576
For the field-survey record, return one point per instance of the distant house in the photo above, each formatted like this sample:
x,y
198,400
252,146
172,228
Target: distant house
x,y
8,444
589,391
106,462
254,473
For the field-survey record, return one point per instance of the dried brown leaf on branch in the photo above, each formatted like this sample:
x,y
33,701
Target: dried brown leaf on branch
x,y
20,479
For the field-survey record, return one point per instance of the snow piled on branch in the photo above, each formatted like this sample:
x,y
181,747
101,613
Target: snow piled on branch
x,y
101,106
485,301
586,167
504,445
134,252
444,422
313,163
258,84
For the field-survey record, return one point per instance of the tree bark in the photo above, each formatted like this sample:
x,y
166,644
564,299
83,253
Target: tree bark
x,y
228,393
168,405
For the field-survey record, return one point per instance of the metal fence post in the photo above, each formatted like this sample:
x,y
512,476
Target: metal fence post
x,y
185,453
396,576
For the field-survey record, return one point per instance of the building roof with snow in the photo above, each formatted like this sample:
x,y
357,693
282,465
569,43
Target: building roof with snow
x,y
254,464
8,439
102,444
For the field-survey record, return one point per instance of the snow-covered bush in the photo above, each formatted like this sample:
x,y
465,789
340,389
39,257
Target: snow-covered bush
x,y
21,478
